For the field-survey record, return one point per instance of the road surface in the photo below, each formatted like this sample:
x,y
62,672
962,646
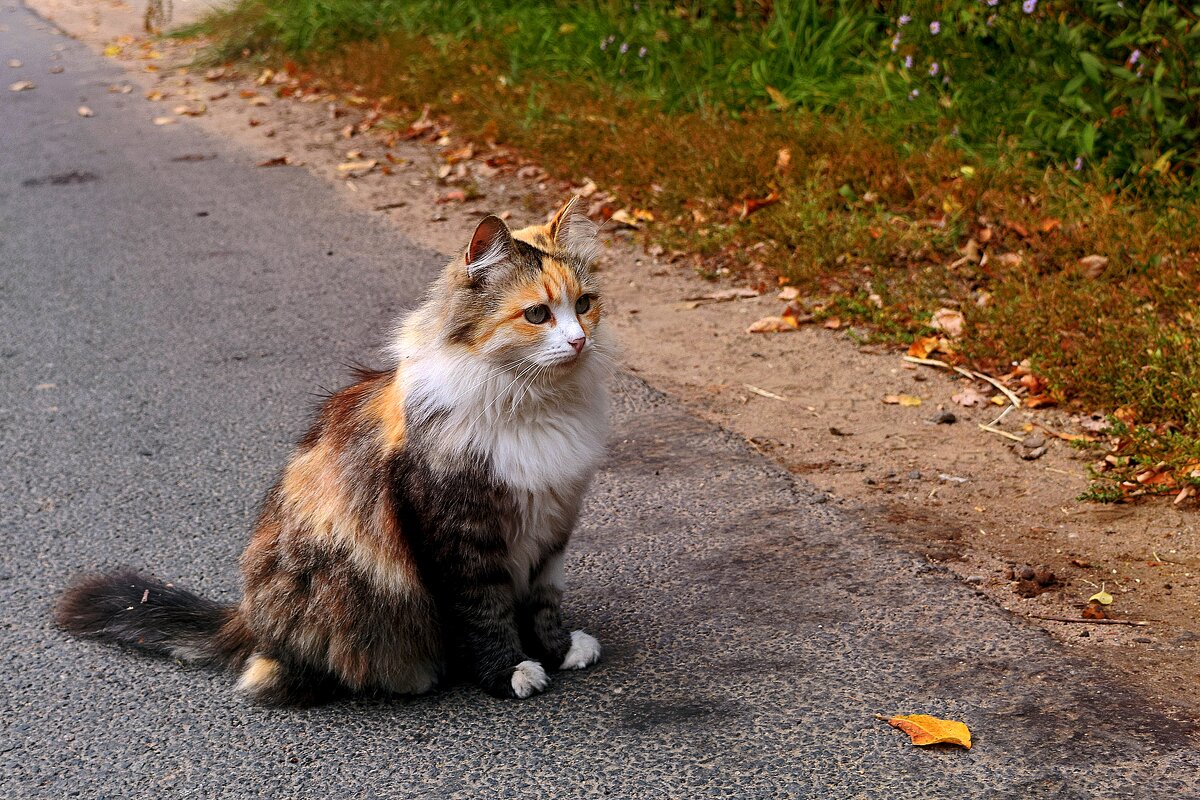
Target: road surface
x,y
168,313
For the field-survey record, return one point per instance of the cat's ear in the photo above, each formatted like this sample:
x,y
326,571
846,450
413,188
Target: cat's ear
x,y
574,233
491,244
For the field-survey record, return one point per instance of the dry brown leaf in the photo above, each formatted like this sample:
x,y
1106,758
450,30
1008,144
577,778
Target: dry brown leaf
x,y
1049,224
783,160
923,346
969,397
278,161
751,204
949,321
924,729
22,86
357,167
788,293
786,322
1038,401
1010,259
623,217
1093,266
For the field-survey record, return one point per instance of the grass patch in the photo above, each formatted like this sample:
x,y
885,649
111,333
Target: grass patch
x,y
890,208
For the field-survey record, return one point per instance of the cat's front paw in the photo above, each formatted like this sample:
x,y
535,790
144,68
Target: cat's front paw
x,y
528,678
584,652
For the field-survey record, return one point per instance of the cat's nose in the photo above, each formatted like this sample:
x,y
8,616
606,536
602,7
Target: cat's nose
x,y
578,343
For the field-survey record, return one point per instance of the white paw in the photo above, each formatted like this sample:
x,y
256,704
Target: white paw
x,y
584,652
528,678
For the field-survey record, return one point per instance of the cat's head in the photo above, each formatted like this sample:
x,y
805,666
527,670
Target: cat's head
x,y
524,297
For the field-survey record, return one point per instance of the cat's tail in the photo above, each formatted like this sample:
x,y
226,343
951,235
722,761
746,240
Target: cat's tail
x,y
142,612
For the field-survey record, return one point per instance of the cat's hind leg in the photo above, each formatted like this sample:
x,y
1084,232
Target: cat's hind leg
x,y
273,682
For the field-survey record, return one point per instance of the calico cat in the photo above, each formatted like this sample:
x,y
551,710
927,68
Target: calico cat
x,y
419,527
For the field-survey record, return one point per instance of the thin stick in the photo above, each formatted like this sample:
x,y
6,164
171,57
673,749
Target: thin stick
x,y
764,392
933,362
1012,398
1137,622
999,432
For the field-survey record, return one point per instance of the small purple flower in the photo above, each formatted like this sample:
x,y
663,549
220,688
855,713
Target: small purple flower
x,y
1028,6
642,52
908,62
935,27
1078,164
895,42
993,3
914,93
933,69
624,48
904,20
1134,57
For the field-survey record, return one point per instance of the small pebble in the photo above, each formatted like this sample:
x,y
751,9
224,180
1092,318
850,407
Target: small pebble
x,y
976,579
1085,634
1143,640
915,475
945,418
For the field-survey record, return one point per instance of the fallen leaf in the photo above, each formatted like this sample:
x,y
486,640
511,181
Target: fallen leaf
x,y
1094,611
1038,401
623,217
1010,259
783,159
751,204
155,95
164,120
112,50
357,167
724,295
778,97
1102,597
923,346
453,196
278,161
924,729
902,400
788,293
1093,266
22,86
786,322
1049,224
970,397
190,111
588,189
949,321
643,215
15,63
833,323
84,111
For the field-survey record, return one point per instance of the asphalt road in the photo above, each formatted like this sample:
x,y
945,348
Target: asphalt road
x,y
167,313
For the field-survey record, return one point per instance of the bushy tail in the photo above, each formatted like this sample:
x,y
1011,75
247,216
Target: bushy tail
x,y
142,612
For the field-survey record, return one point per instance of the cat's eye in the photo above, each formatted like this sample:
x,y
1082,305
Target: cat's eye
x,y
537,314
583,304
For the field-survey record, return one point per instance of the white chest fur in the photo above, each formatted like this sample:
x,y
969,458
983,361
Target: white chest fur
x,y
543,442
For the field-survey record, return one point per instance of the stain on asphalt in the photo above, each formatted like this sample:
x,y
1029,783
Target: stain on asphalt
x,y
62,179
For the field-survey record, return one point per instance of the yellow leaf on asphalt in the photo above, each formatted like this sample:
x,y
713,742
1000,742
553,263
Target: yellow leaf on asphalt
x,y
112,50
924,729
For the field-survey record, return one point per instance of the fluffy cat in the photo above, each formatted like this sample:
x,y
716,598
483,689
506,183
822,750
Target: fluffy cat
x,y
419,527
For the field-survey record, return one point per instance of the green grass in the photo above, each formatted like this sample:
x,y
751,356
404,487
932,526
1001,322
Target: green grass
x,y
883,192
